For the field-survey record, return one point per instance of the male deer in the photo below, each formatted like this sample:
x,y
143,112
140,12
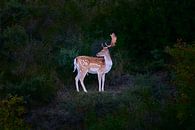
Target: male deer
x,y
99,65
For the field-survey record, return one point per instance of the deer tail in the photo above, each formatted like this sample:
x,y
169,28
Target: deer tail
x,y
75,66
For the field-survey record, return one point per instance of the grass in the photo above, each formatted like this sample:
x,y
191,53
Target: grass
x,y
130,107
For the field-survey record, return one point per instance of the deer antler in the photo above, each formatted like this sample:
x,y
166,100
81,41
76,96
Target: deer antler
x,y
113,40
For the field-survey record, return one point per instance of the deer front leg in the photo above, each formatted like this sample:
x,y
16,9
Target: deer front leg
x,y
99,81
103,81
76,82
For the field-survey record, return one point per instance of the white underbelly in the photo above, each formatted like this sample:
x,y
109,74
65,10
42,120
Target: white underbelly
x,y
93,70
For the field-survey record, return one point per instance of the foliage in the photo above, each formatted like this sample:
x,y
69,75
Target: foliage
x,y
142,26
184,79
26,67
37,89
117,120
141,106
11,113
15,35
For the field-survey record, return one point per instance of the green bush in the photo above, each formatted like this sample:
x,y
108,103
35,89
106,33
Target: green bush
x,y
15,36
27,67
12,111
36,89
14,39
134,108
183,69
119,120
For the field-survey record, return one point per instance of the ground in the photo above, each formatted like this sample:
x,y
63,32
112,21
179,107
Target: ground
x,y
73,110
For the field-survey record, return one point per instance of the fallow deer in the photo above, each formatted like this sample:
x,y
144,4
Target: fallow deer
x,y
99,65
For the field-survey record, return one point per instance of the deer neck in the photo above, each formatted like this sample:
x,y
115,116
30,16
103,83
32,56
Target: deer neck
x,y
108,62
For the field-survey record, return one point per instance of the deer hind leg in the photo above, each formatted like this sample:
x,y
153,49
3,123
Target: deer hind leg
x,y
82,77
103,81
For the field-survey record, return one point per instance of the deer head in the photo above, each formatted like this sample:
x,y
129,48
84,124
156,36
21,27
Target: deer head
x,y
103,52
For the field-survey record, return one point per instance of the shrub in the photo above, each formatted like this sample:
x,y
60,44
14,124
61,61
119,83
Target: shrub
x,y
183,69
30,73
132,109
11,113
138,107
35,90
14,36
65,59
27,67
117,120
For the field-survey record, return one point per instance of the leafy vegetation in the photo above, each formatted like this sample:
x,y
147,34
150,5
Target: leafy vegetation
x,y
184,79
139,106
11,119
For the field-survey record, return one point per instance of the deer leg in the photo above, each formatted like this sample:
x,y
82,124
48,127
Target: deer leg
x,y
76,82
81,80
103,80
99,81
